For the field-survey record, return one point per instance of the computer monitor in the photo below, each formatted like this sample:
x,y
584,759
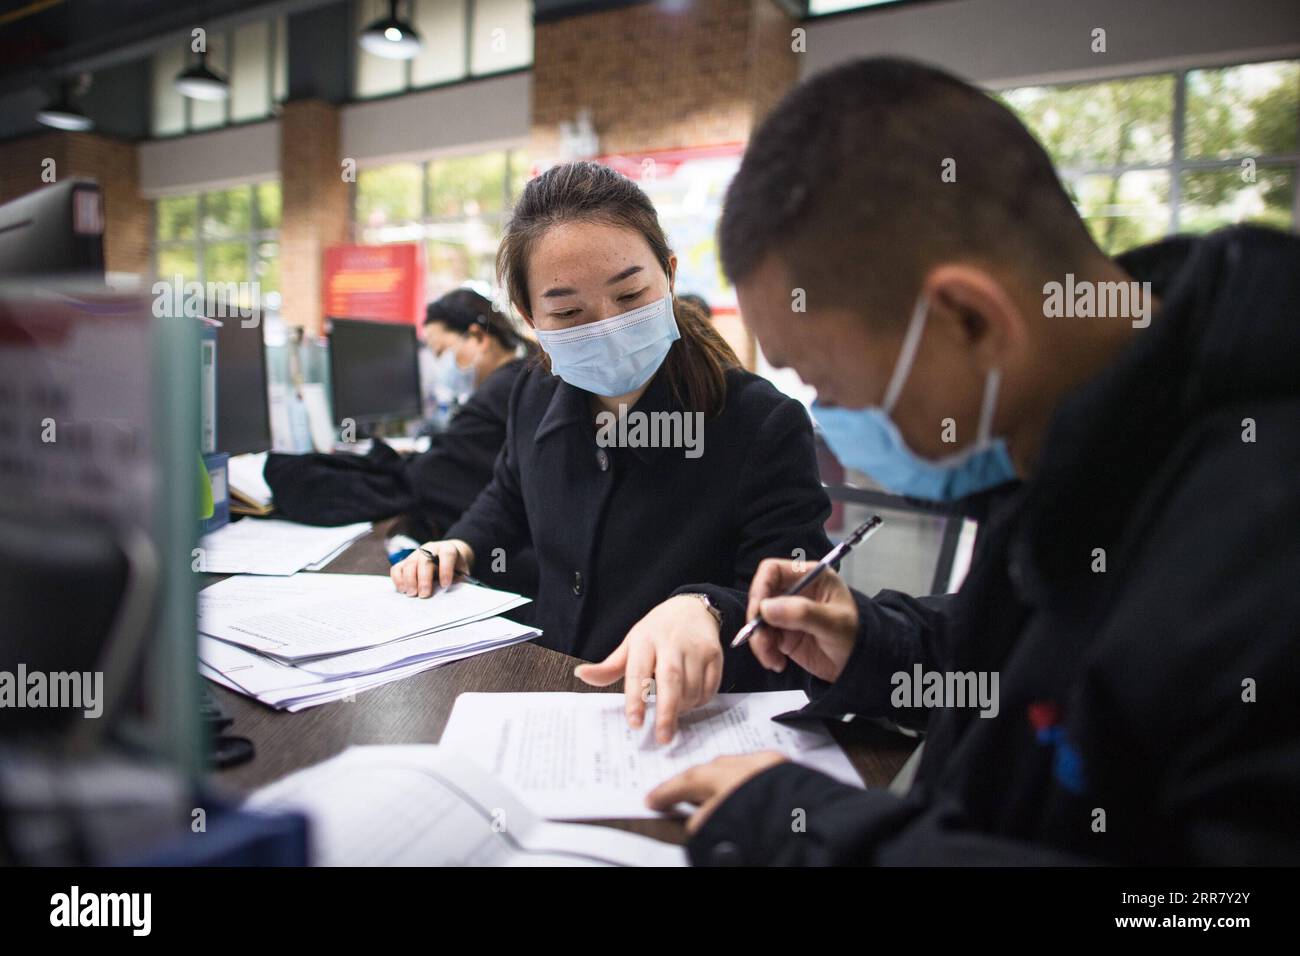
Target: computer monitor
x,y
243,417
374,371
55,231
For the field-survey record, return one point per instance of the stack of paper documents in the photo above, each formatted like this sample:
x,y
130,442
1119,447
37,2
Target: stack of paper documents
x,y
309,639
418,805
272,546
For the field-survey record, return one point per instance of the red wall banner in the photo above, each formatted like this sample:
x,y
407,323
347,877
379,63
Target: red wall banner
x,y
374,282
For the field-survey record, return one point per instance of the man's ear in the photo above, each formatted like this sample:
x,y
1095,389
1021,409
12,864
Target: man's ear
x,y
974,306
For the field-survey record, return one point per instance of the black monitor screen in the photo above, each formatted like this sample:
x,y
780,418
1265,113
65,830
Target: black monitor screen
x,y
243,420
374,370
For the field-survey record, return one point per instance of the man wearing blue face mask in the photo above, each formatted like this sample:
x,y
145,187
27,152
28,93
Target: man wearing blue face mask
x,y
1117,680
870,441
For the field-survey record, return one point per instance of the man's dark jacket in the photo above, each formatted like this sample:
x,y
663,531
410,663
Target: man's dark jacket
x,y
1150,712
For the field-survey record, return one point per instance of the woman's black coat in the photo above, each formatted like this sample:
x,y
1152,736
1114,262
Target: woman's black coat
x,y
618,530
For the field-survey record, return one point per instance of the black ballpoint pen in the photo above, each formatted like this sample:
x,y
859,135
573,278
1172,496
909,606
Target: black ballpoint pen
x,y
463,575
832,559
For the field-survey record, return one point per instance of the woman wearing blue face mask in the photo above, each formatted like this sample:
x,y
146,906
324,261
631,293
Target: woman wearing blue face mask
x,y
469,338
647,467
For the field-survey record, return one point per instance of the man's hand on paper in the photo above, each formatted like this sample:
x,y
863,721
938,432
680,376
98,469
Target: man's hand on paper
x,y
816,628
414,575
708,784
674,652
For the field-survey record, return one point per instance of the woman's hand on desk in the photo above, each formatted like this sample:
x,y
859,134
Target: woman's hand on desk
x,y
674,650
816,629
415,575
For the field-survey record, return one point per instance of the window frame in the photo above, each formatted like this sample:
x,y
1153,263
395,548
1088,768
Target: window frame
x,y
1178,164
408,86
257,233
514,153
276,89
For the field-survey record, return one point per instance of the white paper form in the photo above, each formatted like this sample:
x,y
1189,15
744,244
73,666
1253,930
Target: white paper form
x,y
571,756
314,615
420,805
242,591
271,546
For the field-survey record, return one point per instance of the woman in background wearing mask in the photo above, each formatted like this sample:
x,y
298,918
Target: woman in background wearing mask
x,y
631,536
485,350
429,490
470,338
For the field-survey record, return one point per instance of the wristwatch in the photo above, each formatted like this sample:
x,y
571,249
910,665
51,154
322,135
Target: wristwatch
x,y
709,606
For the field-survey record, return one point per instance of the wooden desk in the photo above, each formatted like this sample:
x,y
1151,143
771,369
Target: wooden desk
x,y
416,709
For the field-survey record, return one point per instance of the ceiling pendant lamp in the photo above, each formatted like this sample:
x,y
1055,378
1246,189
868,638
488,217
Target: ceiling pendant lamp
x,y
390,37
198,82
63,113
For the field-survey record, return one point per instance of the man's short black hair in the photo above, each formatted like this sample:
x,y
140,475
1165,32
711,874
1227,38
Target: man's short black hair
x,y
844,180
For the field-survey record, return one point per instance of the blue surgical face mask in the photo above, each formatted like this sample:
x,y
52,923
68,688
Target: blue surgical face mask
x,y
458,381
613,356
867,438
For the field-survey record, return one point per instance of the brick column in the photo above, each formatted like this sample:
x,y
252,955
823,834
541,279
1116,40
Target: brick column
x,y
315,205
656,79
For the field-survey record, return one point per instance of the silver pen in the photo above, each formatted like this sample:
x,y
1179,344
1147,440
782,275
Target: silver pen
x,y
832,559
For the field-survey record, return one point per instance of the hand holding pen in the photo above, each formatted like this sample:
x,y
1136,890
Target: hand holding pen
x,y
804,614
432,565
